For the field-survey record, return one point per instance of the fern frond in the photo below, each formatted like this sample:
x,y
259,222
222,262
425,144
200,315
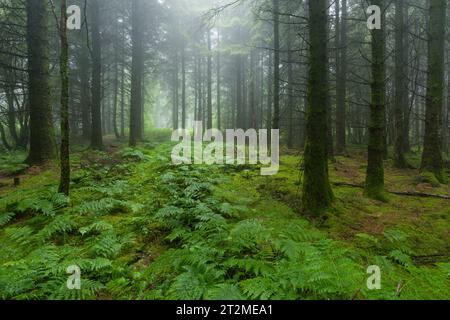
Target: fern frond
x,y
6,217
61,224
224,291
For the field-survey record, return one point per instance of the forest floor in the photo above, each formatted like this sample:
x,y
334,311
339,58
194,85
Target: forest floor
x,y
140,228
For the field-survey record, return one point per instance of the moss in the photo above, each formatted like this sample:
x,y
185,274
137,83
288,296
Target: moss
x,y
427,177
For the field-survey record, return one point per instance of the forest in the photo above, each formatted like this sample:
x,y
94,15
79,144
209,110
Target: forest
x,y
115,183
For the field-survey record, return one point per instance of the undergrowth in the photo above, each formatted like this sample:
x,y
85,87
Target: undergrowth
x,y
140,228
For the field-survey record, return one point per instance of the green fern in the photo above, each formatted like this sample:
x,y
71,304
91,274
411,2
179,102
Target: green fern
x,y
61,224
6,217
36,205
96,227
225,292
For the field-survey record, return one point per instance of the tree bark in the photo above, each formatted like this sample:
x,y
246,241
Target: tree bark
x,y
432,156
377,122
317,193
341,85
276,64
136,73
209,82
219,111
401,85
183,88
96,112
42,140
64,184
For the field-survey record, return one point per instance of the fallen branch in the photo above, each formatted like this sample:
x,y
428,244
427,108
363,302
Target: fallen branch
x,y
398,193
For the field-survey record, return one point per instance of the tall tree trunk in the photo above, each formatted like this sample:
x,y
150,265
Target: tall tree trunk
x,y
240,124
317,194
116,81
85,97
432,156
270,93
42,140
446,127
200,90
122,84
219,111
276,64
3,138
136,73
377,123
244,92
175,111
341,86
209,82
64,184
401,85
261,91
183,88
252,107
10,86
290,91
196,87
96,112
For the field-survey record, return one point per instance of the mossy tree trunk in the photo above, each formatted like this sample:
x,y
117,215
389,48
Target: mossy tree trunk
x,y
42,141
96,112
276,64
85,95
432,156
290,88
401,85
377,122
341,85
317,194
64,185
116,47
136,72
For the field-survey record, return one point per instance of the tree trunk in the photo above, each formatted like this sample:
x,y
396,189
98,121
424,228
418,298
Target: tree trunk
x,y
10,86
183,88
432,156
276,64
116,82
240,124
96,112
42,140
85,100
270,93
64,184
317,193
209,82
341,85
136,73
219,111
377,123
290,91
175,111
252,93
401,85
